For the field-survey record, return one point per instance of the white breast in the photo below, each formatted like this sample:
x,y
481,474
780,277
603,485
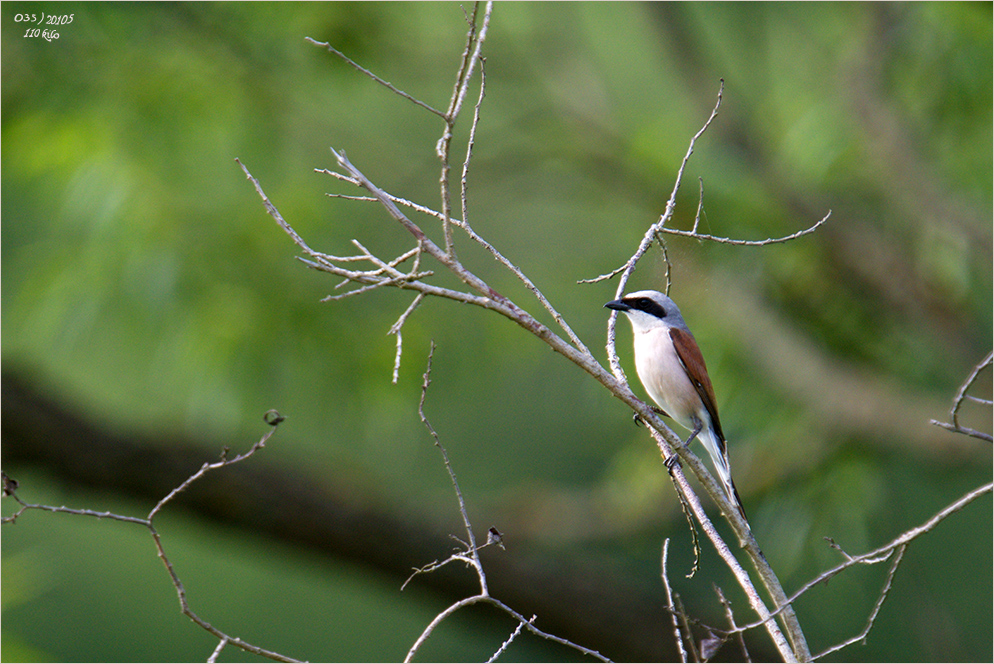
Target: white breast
x,y
664,377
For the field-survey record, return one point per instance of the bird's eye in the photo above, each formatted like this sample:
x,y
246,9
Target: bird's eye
x,y
650,306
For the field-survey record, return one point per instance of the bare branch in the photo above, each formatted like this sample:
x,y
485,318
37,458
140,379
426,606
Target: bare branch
x,y
694,540
396,329
731,624
500,258
767,618
955,428
510,639
321,261
876,607
660,226
700,204
469,555
491,299
463,183
389,86
746,243
545,635
647,239
669,603
273,419
962,396
474,43
275,214
225,461
884,552
472,550
688,634
217,651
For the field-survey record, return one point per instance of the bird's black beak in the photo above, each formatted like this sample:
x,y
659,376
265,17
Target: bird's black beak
x,y
617,305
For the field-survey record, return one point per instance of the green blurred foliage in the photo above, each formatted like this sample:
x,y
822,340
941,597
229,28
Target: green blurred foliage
x,y
145,283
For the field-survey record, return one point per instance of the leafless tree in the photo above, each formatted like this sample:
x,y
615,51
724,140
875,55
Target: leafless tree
x,y
413,270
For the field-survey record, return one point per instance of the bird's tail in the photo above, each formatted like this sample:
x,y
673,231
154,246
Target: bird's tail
x,y
719,456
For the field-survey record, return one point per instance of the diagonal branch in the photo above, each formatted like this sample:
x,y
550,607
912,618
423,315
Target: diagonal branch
x,y
475,237
386,84
884,552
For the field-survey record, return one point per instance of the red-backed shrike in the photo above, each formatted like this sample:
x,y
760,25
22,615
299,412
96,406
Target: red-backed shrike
x,y
671,368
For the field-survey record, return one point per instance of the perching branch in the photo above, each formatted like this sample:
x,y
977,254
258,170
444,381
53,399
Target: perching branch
x,y
479,293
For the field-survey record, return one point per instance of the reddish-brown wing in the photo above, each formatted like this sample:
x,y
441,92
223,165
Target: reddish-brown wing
x,y
690,355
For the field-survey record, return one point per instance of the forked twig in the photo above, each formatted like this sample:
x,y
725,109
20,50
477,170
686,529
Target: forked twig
x,y
876,608
272,418
884,552
746,243
731,624
962,396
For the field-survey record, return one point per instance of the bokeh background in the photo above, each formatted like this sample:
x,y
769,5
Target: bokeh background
x,y
148,298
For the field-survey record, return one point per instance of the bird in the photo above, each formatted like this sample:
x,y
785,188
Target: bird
x,y
671,367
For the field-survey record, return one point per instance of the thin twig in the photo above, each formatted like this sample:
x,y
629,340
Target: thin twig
x,y
474,44
962,396
876,607
469,555
731,623
746,243
510,639
217,651
687,632
472,550
700,204
396,329
464,180
884,552
273,419
669,604
650,235
660,226
376,78
437,620
694,539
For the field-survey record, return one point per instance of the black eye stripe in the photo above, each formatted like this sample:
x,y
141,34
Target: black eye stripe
x,y
649,306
